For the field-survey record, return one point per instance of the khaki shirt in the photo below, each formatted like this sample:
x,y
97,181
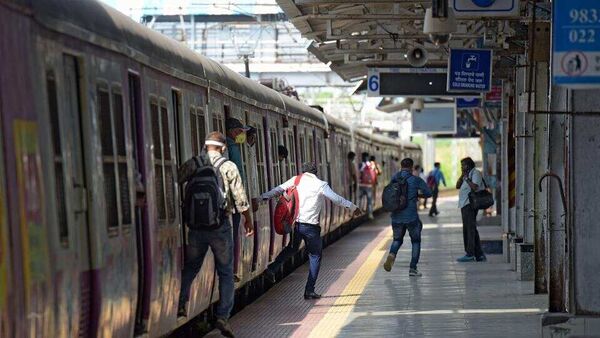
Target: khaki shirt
x,y
232,181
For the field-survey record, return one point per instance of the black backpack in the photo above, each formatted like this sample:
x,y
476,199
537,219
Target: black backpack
x,y
204,198
395,195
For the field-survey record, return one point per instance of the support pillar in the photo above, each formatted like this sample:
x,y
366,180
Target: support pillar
x,y
540,198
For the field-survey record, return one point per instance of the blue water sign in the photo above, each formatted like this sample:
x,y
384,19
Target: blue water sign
x,y
470,70
576,43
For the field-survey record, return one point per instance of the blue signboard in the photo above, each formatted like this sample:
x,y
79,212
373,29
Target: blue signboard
x,y
485,8
576,43
470,70
468,102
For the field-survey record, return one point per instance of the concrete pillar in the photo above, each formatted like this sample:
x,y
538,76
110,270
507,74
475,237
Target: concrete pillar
x,y
584,184
577,280
557,274
540,160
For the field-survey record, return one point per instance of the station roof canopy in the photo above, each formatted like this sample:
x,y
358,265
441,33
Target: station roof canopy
x,y
352,35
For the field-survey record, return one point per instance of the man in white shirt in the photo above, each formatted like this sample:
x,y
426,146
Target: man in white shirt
x,y
471,180
311,194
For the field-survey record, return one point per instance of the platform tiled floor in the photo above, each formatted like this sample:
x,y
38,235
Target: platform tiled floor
x,y
363,300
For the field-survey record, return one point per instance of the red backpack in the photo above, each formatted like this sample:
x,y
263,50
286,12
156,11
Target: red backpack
x,y
286,210
431,181
368,175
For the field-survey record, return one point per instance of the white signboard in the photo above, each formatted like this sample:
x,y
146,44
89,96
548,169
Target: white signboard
x,y
435,118
485,8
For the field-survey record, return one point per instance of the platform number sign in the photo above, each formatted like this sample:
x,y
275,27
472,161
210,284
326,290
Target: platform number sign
x,y
373,82
576,43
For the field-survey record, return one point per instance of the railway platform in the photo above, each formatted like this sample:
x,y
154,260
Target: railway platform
x,y
360,299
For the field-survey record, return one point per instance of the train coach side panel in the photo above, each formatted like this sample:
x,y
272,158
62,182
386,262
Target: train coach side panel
x,y
31,294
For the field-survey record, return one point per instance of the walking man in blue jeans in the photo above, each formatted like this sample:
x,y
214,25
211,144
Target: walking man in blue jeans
x,y
311,194
408,218
219,240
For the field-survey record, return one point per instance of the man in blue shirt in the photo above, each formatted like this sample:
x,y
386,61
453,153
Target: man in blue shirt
x,y
408,218
438,176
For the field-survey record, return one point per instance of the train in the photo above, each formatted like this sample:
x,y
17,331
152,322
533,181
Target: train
x,y
97,109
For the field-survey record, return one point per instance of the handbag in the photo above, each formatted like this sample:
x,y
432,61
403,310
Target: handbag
x,y
482,199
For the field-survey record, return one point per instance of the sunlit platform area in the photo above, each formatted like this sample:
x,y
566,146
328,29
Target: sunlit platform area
x,y
361,299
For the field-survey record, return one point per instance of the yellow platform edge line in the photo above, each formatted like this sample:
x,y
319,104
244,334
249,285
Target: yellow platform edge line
x,y
335,318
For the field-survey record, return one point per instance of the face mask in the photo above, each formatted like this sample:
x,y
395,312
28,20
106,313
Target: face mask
x,y
241,138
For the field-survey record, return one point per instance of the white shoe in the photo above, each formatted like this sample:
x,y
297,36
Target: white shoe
x,y
371,216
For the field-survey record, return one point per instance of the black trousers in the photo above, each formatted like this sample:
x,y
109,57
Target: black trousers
x,y
470,233
434,196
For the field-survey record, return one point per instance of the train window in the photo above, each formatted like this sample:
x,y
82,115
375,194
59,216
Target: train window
x,y
194,131
311,150
217,123
122,163
302,149
285,164
108,159
197,129
292,154
158,166
274,151
201,123
59,175
260,158
168,162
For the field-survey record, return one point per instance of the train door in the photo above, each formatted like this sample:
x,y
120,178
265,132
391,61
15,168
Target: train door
x,y
278,171
319,142
76,188
142,227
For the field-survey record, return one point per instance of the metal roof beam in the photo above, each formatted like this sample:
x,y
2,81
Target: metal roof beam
x,y
361,17
375,51
400,36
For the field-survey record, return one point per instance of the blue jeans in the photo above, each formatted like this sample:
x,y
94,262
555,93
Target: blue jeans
x,y
221,244
311,234
414,231
369,192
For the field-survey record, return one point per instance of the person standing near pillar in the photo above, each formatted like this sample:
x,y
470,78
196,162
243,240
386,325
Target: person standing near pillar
x,y
471,180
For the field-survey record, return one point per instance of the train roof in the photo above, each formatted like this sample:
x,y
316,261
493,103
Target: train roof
x,y
108,26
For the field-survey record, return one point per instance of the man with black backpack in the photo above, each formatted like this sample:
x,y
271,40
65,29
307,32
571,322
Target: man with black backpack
x,y
405,216
213,189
